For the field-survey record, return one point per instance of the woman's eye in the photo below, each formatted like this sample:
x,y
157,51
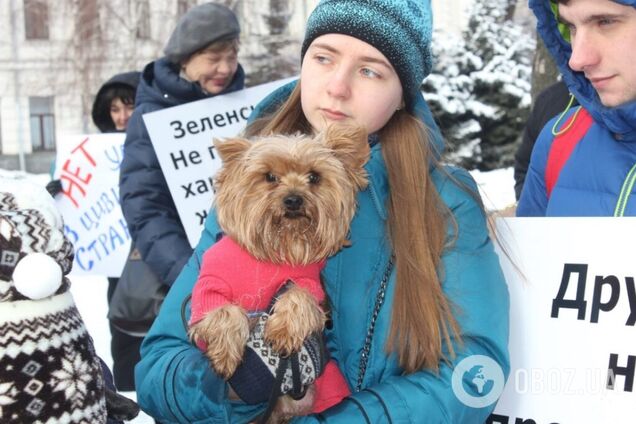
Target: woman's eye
x,y
314,178
322,59
270,178
370,73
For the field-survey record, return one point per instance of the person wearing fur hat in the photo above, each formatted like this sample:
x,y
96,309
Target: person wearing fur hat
x,y
200,62
418,294
49,369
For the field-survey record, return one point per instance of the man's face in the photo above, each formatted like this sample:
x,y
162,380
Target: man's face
x,y
603,36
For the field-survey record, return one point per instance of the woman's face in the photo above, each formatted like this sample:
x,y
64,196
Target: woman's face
x,y
346,80
214,71
120,113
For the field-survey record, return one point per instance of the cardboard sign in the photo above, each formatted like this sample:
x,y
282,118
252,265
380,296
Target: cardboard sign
x,y
182,139
88,168
573,316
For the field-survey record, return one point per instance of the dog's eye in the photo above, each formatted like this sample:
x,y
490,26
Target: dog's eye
x,y
314,178
270,178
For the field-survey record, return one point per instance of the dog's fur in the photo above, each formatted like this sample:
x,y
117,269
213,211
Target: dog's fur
x,y
284,199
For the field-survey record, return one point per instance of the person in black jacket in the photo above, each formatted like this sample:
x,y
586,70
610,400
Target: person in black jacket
x,y
115,102
200,62
549,103
112,109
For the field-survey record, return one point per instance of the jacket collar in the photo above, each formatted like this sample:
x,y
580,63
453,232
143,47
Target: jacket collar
x,y
161,82
620,121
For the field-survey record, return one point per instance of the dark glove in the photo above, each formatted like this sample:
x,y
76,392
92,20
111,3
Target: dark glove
x,y
54,187
119,407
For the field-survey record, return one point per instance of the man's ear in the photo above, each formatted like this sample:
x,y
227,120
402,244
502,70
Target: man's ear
x,y
230,149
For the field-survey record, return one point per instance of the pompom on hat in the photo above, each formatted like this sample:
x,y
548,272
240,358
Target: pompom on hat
x,y
400,29
199,27
49,371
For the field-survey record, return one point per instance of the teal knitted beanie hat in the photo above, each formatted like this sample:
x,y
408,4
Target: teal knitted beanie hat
x,y
400,29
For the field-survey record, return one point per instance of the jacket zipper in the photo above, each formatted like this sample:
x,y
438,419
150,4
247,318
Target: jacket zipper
x,y
626,191
379,301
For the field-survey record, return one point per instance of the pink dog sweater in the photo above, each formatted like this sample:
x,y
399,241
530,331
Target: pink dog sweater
x,y
230,275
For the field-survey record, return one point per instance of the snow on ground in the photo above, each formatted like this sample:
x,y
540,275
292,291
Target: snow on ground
x,y
496,189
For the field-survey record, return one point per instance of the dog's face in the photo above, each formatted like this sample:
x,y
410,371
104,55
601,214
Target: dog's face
x,y
290,199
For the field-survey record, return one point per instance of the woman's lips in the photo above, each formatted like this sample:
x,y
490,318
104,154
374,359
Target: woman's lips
x,y
334,115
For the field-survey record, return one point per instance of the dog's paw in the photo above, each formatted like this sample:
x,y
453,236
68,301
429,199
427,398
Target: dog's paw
x,y
295,315
224,332
287,408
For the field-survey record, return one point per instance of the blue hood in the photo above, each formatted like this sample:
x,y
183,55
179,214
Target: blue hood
x,y
620,121
273,101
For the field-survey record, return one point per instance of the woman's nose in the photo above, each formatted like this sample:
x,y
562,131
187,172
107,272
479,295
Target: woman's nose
x,y
224,67
339,85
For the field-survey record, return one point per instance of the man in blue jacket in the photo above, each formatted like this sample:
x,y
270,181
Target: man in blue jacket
x,y
592,43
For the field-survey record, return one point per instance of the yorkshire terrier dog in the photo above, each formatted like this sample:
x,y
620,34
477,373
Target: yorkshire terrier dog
x,y
285,204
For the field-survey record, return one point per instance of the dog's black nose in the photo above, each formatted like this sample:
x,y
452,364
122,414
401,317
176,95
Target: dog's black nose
x,y
293,202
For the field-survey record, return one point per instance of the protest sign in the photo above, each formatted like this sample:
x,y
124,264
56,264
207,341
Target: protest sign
x,y
182,139
88,168
573,311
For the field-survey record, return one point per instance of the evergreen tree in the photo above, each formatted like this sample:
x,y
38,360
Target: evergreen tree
x,y
479,90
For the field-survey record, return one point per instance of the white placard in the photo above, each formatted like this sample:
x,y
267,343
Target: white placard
x,y
88,167
182,138
561,356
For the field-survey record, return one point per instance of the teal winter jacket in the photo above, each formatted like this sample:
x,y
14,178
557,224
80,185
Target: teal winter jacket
x,y
174,380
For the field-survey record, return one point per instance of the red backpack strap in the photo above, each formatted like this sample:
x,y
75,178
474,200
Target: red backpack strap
x,y
563,145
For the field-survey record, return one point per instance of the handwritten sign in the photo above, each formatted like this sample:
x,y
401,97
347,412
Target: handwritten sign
x,y
88,168
182,139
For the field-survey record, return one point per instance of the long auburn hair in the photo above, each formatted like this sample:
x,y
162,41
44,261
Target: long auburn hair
x,y
422,318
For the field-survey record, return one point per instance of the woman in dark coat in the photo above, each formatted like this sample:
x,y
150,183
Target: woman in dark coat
x,y
200,62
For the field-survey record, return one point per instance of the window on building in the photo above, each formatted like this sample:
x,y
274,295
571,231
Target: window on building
x,y
87,19
42,121
36,20
183,6
143,19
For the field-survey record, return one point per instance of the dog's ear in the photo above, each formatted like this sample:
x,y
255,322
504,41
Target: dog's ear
x,y
350,144
230,149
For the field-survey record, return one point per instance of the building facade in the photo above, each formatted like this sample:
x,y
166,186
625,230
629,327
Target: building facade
x,y
54,55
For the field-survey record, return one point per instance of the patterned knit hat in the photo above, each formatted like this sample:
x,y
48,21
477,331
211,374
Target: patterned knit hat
x,y
49,371
400,29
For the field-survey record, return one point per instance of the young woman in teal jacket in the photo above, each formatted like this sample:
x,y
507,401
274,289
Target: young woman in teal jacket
x,y
419,290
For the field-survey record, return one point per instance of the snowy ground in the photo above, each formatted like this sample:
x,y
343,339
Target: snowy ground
x,y
496,188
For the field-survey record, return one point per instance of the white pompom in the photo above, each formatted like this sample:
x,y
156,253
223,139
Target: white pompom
x,y
37,276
